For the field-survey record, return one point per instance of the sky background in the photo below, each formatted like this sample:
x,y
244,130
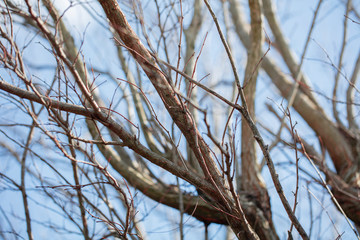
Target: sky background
x,y
98,50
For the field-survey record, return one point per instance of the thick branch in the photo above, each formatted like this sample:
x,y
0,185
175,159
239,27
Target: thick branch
x,y
177,110
332,138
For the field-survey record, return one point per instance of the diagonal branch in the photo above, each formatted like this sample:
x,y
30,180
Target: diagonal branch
x,y
177,110
315,117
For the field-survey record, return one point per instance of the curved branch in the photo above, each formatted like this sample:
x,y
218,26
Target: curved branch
x,y
251,179
285,51
350,95
191,33
340,65
336,144
103,117
177,110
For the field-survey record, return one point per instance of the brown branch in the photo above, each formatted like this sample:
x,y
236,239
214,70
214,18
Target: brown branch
x,y
340,65
301,80
22,187
350,95
62,55
177,110
334,141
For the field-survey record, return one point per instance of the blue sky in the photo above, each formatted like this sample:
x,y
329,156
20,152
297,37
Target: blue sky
x,y
295,17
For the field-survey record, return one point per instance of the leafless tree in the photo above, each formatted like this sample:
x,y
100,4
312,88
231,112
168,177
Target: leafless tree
x,y
205,107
